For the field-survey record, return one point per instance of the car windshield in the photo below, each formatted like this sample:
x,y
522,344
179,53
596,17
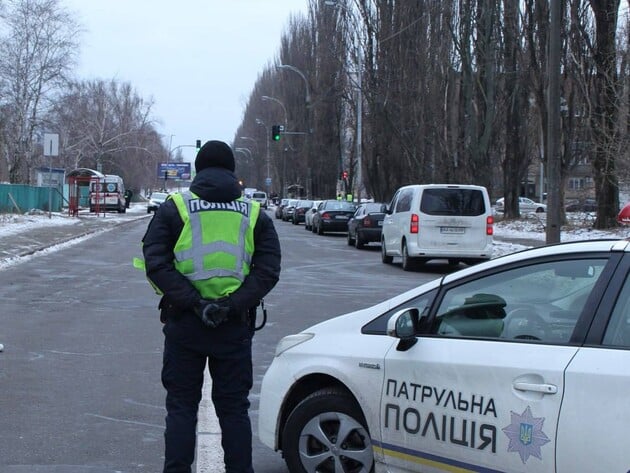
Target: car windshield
x,y
468,202
375,207
159,196
339,205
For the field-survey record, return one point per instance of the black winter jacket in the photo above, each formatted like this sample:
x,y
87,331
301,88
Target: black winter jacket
x,y
212,185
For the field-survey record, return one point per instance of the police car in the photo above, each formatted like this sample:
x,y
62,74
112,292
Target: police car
x,y
518,364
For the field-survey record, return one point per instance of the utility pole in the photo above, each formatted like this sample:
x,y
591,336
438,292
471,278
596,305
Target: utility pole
x,y
554,168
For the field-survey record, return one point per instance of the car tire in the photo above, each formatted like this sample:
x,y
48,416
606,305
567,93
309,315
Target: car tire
x,y
306,226
384,257
313,228
327,413
350,240
320,230
358,242
540,210
408,263
294,221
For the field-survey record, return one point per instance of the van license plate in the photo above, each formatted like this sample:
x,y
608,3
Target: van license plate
x,y
452,230
341,217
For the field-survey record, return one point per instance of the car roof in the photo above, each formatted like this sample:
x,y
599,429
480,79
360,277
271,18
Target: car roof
x,y
569,248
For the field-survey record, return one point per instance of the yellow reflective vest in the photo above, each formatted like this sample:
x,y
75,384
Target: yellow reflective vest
x,y
215,247
214,250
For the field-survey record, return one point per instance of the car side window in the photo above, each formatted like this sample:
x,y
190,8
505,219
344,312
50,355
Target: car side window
x,y
540,302
618,330
404,201
392,204
422,302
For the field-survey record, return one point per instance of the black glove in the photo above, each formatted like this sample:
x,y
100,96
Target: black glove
x,y
213,313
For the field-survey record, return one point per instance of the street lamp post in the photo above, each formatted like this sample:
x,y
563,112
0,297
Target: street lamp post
x,y
284,160
273,99
359,133
307,99
262,123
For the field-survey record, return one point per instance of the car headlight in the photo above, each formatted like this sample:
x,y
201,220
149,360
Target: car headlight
x,y
291,341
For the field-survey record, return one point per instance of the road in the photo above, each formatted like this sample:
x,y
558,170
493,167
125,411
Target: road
x,y
80,374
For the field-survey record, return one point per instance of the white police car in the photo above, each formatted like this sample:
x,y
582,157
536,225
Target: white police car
x,y
519,364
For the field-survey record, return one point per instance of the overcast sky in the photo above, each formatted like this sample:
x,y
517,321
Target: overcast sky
x,y
198,59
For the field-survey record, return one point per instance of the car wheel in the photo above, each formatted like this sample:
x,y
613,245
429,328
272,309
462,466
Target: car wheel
x,y
350,240
320,230
384,257
294,221
306,226
358,242
313,228
327,432
408,262
540,210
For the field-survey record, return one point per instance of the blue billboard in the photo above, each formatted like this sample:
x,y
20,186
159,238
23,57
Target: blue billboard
x,y
179,171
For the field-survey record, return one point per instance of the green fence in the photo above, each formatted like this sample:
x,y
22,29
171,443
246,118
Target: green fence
x,y
28,197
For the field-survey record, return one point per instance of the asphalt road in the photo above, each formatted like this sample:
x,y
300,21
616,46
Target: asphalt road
x,y
80,386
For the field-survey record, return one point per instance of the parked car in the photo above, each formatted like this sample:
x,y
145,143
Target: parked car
x,y
438,221
525,205
280,208
483,369
366,224
155,200
585,205
308,215
287,210
332,216
299,211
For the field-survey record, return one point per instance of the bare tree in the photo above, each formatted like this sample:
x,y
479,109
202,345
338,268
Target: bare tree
x,y
107,126
36,54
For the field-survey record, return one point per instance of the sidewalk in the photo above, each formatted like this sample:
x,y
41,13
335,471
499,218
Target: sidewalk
x,y
32,240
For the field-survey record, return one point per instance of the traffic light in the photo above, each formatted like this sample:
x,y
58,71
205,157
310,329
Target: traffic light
x,y
198,145
344,175
275,132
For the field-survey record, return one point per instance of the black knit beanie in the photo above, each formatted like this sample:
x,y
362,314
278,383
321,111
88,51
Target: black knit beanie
x,y
215,154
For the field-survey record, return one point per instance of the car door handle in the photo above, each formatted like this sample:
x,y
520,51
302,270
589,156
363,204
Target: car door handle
x,y
537,388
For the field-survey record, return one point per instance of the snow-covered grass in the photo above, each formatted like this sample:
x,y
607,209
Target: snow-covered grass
x,y
528,227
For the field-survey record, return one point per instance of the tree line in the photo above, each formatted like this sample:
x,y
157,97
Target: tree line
x,y
390,92
102,124
441,92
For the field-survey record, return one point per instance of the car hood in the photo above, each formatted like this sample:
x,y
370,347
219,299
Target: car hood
x,y
358,318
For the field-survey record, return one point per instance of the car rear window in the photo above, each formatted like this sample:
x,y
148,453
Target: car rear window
x,y
466,202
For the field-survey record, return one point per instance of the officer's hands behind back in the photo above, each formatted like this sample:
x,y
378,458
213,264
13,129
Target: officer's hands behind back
x,y
213,313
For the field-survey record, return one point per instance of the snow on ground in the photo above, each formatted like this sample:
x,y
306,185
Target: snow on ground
x,y
529,227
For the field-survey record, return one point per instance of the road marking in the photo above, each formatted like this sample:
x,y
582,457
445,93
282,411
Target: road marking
x,y
209,451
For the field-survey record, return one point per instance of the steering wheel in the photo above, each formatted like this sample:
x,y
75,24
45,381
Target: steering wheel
x,y
524,323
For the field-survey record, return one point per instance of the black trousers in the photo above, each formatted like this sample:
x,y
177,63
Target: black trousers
x,y
227,349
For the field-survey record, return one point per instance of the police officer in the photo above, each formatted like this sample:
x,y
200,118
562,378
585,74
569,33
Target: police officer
x,y
213,255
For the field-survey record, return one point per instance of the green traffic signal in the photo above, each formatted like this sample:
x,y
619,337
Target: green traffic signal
x,y
275,132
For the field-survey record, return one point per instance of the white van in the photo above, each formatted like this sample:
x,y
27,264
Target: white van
x,y
438,221
107,193
260,197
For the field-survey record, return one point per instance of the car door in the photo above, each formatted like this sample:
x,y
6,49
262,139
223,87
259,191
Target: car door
x,y
595,414
353,221
388,221
481,389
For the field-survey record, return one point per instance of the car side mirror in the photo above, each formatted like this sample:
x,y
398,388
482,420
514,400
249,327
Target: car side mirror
x,y
404,326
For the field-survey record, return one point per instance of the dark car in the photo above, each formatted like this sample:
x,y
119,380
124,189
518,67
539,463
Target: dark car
x,y
332,216
366,224
300,210
280,208
586,205
287,210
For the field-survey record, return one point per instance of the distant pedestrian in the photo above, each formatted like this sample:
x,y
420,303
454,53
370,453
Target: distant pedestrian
x,y
213,255
128,195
